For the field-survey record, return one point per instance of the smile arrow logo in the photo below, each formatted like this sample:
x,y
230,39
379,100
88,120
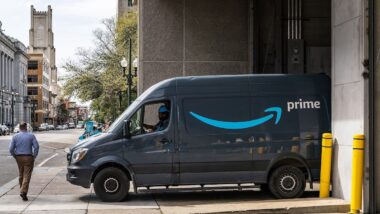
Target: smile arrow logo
x,y
242,124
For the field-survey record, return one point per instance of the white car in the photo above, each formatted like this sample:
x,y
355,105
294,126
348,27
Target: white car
x,y
4,130
43,127
51,127
59,127
17,128
79,126
71,125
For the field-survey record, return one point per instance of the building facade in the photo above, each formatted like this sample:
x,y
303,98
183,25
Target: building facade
x,y
14,106
38,88
335,37
41,41
22,101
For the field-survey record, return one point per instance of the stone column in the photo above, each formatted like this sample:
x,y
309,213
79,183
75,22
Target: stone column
x,y
348,88
190,38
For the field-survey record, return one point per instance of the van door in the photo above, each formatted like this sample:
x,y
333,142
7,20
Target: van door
x,y
210,154
150,149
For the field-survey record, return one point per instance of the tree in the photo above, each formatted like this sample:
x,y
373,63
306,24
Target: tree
x,y
96,74
62,113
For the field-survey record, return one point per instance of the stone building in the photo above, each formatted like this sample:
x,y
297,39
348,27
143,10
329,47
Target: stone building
x,y
336,37
14,106
22,105
41,41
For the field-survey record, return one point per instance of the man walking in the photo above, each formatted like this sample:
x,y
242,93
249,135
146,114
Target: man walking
x,y
24,148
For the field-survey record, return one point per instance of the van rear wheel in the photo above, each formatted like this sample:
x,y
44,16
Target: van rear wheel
x,y
111,185
287,182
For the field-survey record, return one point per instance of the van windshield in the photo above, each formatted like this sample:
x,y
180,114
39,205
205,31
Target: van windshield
x,y
123,116
129,110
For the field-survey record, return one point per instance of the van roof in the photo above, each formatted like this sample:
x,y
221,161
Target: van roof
x,y
243,83
253,78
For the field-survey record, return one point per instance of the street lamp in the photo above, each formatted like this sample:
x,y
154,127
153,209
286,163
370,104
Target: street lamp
x,y
34,106
14,94
135,64
124,64
2,103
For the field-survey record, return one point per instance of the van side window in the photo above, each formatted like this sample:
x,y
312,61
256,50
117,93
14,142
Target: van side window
x,y
151,117
135,125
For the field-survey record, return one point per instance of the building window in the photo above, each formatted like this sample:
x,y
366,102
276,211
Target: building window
x,y
33,65
32,78
33,91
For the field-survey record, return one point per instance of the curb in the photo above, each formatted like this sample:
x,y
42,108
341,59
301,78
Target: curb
x,y
8,186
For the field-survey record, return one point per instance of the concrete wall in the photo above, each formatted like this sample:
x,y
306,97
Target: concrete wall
x,y
348,87
192,37
377,102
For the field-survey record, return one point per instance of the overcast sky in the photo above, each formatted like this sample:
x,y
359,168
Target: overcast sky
x,y
73,21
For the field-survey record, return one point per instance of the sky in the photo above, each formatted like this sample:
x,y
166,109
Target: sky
x,y
73,22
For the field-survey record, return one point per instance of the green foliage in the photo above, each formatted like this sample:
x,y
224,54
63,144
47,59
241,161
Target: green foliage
x,y
62,112
96,75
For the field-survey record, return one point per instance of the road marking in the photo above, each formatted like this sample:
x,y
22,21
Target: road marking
x,y
46,160
48,147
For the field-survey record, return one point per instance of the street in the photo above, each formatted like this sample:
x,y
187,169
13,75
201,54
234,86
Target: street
x,y
50,192
52,145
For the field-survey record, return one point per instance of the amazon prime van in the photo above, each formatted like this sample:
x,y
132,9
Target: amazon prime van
x,y
259,129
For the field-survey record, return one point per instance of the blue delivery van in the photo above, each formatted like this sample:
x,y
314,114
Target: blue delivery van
x,y
261,129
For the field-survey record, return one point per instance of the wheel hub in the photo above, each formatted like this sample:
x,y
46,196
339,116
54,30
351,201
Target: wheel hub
x,y
288,183
111,185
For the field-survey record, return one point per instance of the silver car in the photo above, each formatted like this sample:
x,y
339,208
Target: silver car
x,y
43,127
17,128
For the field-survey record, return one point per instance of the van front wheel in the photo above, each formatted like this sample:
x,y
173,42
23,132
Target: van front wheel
x,y
287,182
111,185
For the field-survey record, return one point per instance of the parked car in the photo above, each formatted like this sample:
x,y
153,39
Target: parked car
x,y
79,126
262,129
59,127
65,126
4,130
71,125
17,128
51,127
43,127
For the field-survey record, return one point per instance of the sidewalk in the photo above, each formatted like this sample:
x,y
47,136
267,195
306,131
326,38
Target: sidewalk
x,y
51,193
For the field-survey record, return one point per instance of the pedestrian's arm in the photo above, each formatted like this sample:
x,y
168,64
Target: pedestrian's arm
x,y
12,147
36,147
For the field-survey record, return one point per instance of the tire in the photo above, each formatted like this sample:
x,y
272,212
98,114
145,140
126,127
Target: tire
x,y
114,179
287,182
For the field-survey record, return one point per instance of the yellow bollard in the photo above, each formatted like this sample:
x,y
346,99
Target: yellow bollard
x,y
357,173
324,190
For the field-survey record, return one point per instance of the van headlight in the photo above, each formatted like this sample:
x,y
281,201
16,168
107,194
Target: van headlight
x,y
78,155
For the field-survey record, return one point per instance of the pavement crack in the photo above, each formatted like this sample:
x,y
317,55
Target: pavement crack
x,y
89,200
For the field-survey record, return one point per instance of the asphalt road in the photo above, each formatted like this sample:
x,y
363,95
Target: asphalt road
x,y
52,145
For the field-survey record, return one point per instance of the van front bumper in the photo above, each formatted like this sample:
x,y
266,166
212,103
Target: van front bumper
x,y
79,175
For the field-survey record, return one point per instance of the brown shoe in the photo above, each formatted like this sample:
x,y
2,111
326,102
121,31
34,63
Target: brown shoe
x,y
24,197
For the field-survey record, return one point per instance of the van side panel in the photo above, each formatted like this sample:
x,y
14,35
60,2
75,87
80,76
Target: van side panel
x,y
209,154
229,137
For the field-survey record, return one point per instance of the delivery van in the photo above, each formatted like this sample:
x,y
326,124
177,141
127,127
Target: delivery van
x,y
260,129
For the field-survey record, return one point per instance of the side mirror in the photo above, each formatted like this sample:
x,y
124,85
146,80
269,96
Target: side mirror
x,y
126,131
